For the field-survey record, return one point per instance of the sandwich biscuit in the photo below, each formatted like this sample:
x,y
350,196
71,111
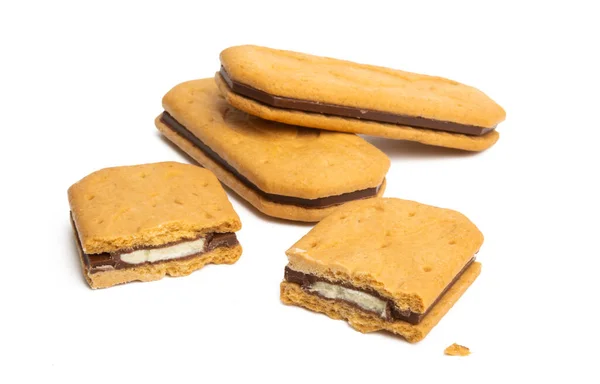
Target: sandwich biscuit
x,y
142,222
284,171
384,264
337,95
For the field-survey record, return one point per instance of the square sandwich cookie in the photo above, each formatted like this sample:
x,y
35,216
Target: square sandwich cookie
x,y
142,222
384,264
337,95
284,171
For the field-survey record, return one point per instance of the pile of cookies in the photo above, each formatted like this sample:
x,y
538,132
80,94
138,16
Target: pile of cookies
x,y
279,129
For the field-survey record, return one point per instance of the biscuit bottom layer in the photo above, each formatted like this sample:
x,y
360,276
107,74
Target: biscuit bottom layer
x,y
366,322
181,250
344,111
322,202
364,299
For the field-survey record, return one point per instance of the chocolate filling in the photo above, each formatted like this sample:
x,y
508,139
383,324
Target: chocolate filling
x,y
321,202
392,312
99,262
343,111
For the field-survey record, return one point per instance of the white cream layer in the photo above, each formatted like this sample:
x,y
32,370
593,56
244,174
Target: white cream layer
x,y
362,299
176,251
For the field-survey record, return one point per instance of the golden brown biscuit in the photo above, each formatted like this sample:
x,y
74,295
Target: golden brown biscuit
x,y
144,221
338,95
457,350
384,264
284,171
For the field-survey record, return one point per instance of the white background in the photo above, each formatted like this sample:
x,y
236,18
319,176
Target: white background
x,y
80,86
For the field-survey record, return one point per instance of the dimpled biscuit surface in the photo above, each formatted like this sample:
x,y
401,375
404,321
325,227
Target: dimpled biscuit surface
x,y
148,205
277,158
266,206
314,78
407,251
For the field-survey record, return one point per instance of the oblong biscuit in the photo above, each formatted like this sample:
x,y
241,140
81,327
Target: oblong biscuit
x,y
350,125
270,208
339,82
277,158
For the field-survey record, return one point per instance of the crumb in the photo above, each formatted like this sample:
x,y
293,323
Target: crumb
x,y
457,350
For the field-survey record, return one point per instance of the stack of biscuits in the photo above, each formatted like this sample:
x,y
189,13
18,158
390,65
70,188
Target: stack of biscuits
x,y
279,128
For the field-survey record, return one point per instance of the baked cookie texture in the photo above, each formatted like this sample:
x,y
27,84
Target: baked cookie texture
x,y
268,207
277,158
326,80
405,251
148,205
152,272
365,322
350,125
457,350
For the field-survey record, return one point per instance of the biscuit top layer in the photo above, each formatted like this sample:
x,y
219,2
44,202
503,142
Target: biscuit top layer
x,y
404,250
314,78
148,205
278,158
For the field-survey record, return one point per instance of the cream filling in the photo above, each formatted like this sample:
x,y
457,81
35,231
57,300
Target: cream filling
x,y
176,251
362,299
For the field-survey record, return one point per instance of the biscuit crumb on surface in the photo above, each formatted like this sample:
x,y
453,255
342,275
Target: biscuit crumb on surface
x,y
457,350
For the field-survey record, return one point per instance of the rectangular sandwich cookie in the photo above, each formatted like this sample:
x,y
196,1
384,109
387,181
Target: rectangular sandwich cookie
x,y
384,264
337,95
142,222
284,171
